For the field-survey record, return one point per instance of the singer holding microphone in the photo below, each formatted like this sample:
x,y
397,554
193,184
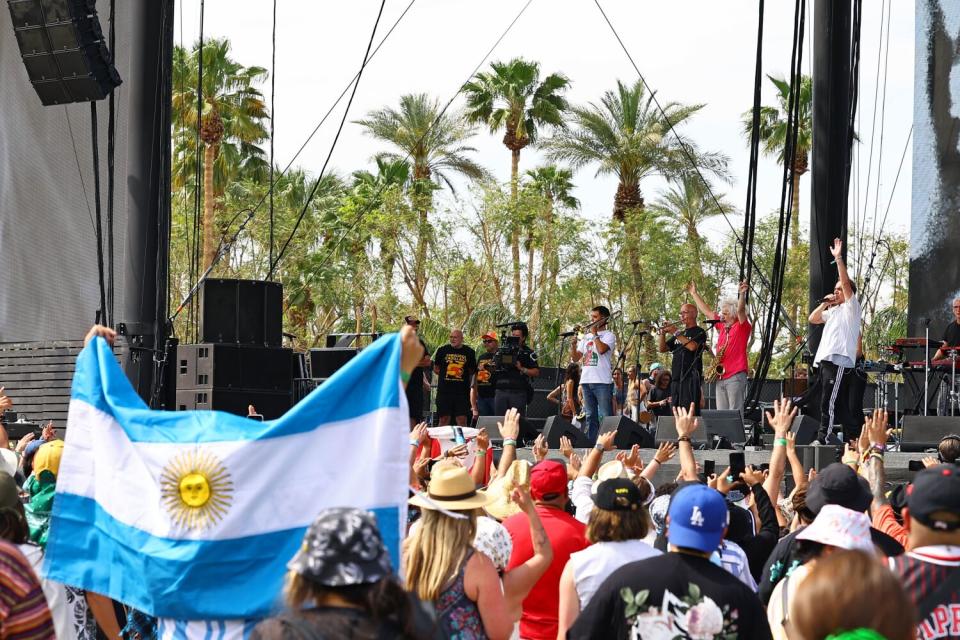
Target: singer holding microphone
x,y
596,376
839,313
687,366
733,334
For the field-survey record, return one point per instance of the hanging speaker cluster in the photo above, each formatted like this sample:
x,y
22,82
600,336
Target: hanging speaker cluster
x,y
64,50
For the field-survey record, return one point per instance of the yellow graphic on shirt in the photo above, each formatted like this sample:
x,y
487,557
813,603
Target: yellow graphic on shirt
x,y
455,369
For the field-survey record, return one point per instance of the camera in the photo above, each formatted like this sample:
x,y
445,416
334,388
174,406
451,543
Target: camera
x,y
505,359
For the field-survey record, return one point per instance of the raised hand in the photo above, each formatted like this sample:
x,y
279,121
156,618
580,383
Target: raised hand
x,y
521,497
566,448
459,451
686,420
744,287
876,428
665,453
420,433
107,333
633,460
47,433
483,440
782,417
510,427
725,481
540,448
411,350
5,401
576,462
752,476
837,248
606,439
692,287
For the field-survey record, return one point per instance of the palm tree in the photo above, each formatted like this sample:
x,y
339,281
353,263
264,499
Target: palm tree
x,y
555,185
512,97
626,135
433,143
231,126
773,135
687,204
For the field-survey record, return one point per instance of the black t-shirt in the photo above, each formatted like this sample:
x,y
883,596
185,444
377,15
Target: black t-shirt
x,y
684,360
456,367
680,595
951,335
782,560
512,378
344,622
656,395
415,393
486,376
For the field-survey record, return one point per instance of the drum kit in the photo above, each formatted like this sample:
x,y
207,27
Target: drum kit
x,y
930,369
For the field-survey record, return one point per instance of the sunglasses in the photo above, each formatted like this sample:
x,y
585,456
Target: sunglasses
x,y
488,340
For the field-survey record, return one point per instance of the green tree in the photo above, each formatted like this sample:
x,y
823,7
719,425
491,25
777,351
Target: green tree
x,y
627,136
555,186
231,126
687,204
434,143
773,135
512,97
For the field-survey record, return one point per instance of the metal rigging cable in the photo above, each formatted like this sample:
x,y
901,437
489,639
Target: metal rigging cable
x,y
273,114
750,210
343,120
102,317
771,328
197,186
111,146
440,115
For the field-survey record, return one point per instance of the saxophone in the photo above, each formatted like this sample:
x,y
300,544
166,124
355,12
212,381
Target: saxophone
x,y
716,369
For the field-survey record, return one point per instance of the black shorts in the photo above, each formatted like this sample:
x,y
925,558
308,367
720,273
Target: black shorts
x,y
453,404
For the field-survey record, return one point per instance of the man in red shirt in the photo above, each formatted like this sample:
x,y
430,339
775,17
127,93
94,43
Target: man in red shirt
x,y
548,487
733,334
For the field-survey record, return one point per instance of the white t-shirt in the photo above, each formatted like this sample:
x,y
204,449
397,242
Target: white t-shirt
x,y
596,367
595,563
838,344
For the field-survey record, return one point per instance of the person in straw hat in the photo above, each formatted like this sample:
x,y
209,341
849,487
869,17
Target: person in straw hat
x,y
441,563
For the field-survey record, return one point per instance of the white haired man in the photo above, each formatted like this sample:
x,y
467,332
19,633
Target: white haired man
x,y
733,334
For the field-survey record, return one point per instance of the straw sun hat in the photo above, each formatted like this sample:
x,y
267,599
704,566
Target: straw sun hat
x,y
451,489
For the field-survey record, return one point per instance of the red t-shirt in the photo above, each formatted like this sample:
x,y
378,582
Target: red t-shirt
x,y
567,536
736,338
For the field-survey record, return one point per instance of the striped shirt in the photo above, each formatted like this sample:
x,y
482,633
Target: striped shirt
x,y
23,608
921,571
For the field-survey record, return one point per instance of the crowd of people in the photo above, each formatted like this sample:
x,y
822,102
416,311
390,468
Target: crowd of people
x,y
570,546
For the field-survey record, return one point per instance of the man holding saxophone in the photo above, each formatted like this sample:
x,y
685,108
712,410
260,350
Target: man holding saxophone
x,y
733,334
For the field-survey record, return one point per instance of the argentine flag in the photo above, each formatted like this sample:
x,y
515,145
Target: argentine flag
x,y
193,515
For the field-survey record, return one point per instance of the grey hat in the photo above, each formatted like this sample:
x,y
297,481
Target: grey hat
x,y
342,548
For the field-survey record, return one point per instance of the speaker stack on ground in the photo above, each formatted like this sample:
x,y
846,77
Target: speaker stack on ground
x,y
240,361
925,432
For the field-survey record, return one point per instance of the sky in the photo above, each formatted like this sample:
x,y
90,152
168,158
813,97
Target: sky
x,y
694,51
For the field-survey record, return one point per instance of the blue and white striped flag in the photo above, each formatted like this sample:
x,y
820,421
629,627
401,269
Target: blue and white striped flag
x,y
194,515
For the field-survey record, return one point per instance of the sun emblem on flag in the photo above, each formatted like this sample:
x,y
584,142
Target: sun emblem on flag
x,y
196,489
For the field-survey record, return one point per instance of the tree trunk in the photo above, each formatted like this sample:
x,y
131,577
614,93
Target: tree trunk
x,y
515,228
209,197
423,201
546,253
632,241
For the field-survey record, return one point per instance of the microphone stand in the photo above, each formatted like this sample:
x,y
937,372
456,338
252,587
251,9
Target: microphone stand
x,y
926,366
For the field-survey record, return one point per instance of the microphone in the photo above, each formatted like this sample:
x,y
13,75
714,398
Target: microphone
x,y
713,322
567,334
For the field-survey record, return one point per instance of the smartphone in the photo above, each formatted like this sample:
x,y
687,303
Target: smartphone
x,y
255,416
458,435
709,468
916,465
737,464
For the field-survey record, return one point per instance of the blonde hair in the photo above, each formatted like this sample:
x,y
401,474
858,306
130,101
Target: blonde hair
x,y
433,555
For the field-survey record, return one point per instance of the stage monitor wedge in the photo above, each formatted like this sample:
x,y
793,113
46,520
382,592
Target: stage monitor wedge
x,y
667,432
629,433
64,50
726,424
925,432
556,427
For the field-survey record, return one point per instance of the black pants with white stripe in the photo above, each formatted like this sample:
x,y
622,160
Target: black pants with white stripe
x,y
837,412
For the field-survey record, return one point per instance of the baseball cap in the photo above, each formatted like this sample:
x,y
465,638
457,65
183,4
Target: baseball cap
x,y
933,498
698,517
489,335
411,319
548,478
342,547
618,494
839,484
655,366
48,458
840,527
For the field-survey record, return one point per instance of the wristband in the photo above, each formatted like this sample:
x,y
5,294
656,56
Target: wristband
x,y
878,448
780,441
405,377
598,447
655,460
481,452
414,443
507,442
683,439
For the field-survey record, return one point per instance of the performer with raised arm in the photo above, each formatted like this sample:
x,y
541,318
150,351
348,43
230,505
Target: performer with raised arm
x,y
687,348
951,334
733,334
839,313
596,377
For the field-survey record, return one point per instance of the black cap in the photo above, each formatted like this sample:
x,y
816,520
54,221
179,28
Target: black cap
x,y
933,497
618,494
839,484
